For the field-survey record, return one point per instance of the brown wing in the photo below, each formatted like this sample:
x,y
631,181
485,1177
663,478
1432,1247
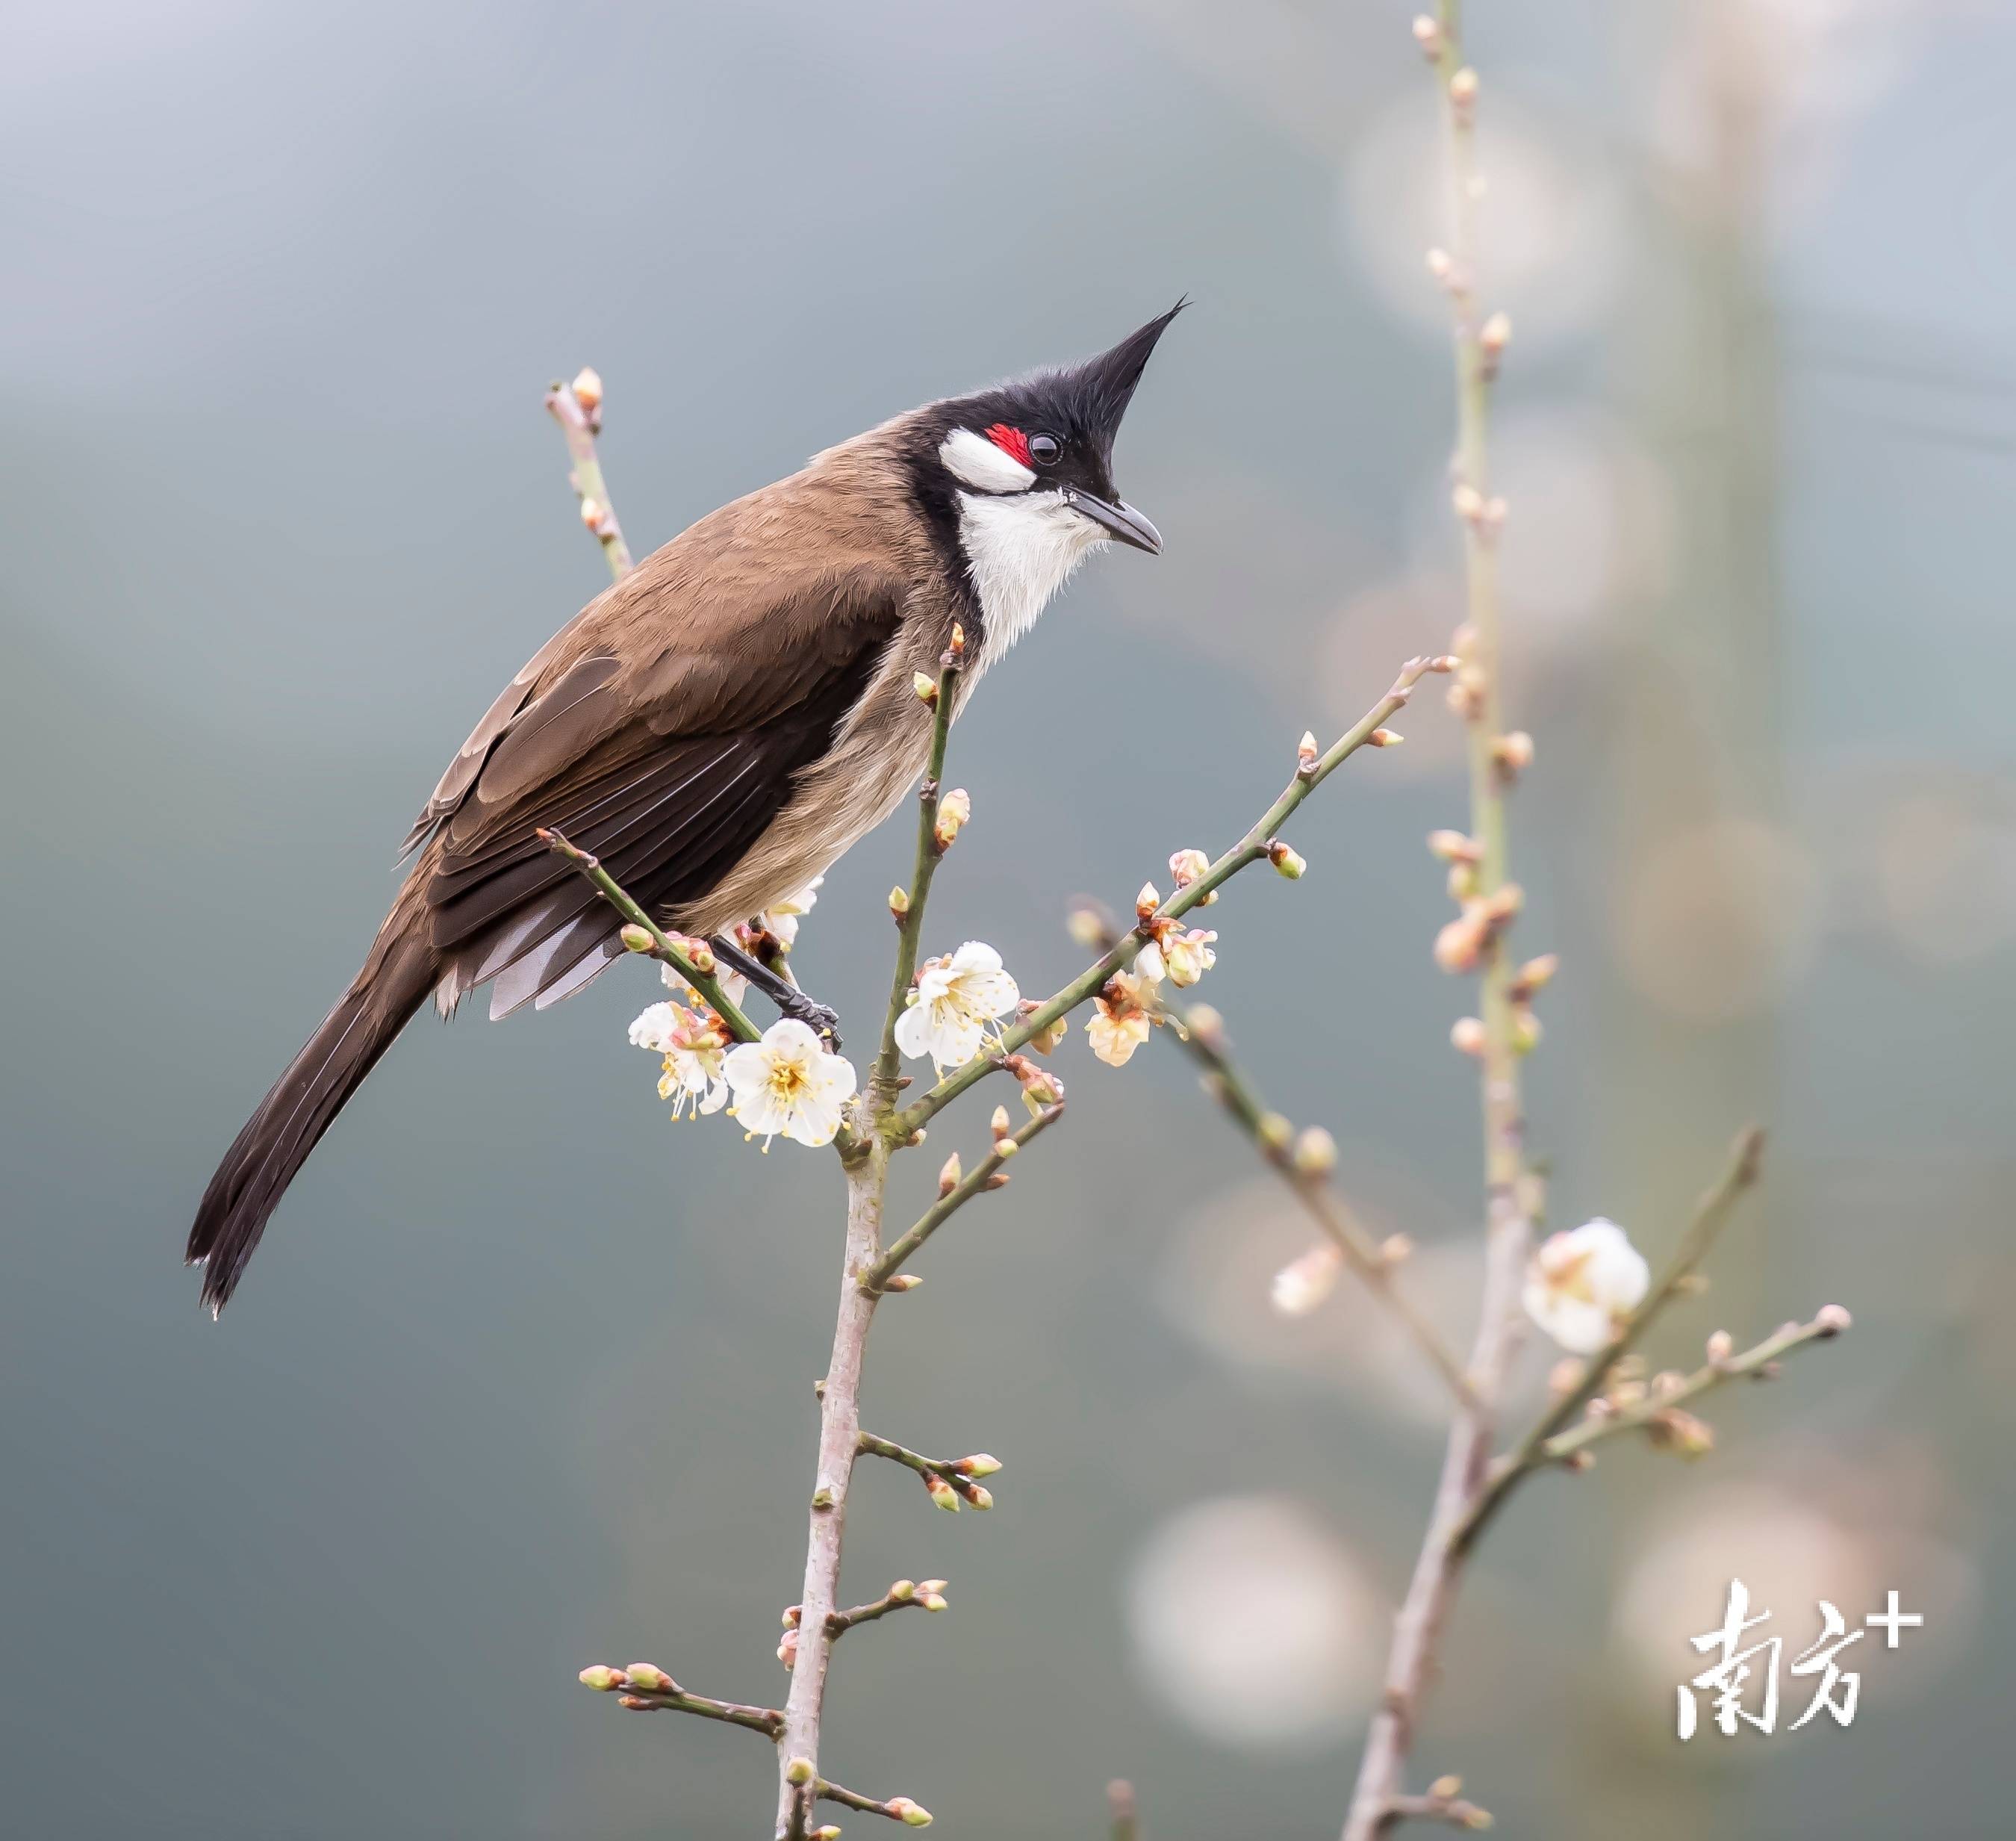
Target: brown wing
x,y
663,732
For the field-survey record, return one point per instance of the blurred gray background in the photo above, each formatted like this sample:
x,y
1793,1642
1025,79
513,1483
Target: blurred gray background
x,y
522,1378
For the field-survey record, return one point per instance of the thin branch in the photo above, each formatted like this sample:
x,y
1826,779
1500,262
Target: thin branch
x,y
576,407
1508,1227
949,1481
986,1175
662,946
931,848
904,1594
898,1808
1252,848
1272,1136
1440,1804
1711,1215
867,1170
645,1689
1758,1363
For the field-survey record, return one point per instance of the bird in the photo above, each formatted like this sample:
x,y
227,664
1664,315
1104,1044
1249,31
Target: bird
x,y
719,727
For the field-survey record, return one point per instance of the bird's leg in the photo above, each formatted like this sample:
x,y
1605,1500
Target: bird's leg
x,y
790,1000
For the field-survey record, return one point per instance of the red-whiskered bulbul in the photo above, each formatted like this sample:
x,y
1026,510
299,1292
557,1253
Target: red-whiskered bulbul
x,y
717,727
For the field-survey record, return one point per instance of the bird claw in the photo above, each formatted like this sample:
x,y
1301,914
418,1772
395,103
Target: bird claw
x,y
823,1022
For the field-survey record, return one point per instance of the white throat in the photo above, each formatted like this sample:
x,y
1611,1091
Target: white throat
x,y
1019,551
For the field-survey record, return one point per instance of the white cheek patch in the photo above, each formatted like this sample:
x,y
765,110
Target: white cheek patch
x,y
975,460
1019,553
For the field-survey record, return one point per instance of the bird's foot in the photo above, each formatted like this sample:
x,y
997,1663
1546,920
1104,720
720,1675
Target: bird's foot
x,y
791,1001
823,1021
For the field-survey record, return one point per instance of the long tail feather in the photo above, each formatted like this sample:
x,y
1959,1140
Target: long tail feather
x,y
276,1140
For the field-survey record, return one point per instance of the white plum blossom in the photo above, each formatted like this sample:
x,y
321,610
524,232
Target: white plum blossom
x,y
957,996
1582,1283
782,919
787,1083
695,1048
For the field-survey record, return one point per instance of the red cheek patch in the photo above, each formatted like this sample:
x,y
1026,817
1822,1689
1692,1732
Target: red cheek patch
x,y
1011,441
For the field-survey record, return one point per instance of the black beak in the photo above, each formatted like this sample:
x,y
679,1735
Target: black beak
x,y
1119,519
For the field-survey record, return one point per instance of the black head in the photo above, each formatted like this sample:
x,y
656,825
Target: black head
x,y
1049,432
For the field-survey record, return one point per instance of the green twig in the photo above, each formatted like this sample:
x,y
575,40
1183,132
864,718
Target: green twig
x,y
576,407
986,1174
1251,849
910,922
663,947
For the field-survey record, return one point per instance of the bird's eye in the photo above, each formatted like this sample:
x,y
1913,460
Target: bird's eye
x,y
1045,450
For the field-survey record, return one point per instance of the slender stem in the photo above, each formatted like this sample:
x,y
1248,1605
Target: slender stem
x,y
896,1809
1251,849
1508,1228
766,1720
980,1178
1711,1215
1752,1364
911,924
1457,1811
580,419
663,948
1241,1103
840,1433
905,1594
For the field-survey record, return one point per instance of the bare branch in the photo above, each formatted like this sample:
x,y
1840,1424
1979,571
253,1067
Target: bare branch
x,y
576,407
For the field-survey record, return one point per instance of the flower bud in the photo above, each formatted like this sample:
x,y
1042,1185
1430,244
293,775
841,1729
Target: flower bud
x,y
926,688
954,809
1147,902
1445,1789
799,1773
942,1493
793,1616
913,1815
1306,752
901,1281
1428,36
826,1832
1288,861
1274,1131
601,1677
1455,847
592,515
1000,1124
1535,975
1495,335
979,1496
931,1586
1513,752
636,939
1680,1432
1526,1030
1467,1036
979,1465
1463,88
699,955
1315,1152
1441,266
1385,738
957,648
1085,927
899,903
1006,1148
1832,1319
587,388
1502,902
1206,1024
1462,883
1396,1249
1460,944
1467,501
933,1601
642,1676
949,1175
1721,1346
1186,865
1051,1034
